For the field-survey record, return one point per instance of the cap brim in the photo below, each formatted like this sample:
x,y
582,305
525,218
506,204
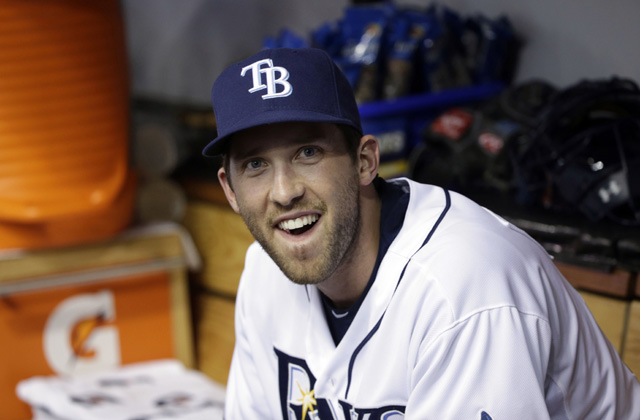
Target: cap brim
x,y
218,145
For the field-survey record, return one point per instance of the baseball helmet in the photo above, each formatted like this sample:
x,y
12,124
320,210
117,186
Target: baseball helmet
x,y
584,154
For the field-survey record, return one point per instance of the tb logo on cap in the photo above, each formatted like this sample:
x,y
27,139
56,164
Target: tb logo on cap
x,y
267,68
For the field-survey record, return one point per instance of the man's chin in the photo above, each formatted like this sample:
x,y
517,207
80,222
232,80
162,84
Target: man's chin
x,y
303,275
300,269
304,280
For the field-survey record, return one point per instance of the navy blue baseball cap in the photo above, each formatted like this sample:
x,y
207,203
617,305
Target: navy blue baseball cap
x,y
281,85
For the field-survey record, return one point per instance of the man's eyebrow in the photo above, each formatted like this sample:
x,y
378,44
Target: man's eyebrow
x,y
258,150
245,153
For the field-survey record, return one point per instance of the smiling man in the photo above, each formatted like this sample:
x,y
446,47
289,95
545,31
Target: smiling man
x,y
371,299
298,190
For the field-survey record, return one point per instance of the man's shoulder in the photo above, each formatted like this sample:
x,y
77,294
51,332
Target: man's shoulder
x,y
477,258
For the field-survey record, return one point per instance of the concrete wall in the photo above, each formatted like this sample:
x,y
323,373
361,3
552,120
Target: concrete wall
x,y
177,48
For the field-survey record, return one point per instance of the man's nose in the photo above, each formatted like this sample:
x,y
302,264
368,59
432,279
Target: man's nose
x,y
287,186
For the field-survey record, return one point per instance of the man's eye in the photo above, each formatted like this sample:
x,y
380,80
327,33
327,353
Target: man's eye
x,y
309,151
254,164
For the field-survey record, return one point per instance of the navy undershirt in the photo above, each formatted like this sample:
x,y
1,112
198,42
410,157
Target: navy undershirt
x,y
395,199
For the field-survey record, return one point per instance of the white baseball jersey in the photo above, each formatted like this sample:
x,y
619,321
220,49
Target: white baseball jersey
x,y
468,318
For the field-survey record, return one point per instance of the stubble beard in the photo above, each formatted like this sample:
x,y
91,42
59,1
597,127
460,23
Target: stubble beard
x,y
338,243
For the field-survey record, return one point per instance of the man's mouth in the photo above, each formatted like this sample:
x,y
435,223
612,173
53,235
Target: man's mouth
x,y
299,225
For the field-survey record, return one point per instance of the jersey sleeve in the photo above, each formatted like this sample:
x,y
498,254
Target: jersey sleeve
x,y
490,365
245,397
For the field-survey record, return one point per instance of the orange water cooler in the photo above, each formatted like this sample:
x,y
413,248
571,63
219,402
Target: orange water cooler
x,y
64,123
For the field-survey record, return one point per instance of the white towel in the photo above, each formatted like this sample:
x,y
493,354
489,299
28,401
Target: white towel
x,y
144,391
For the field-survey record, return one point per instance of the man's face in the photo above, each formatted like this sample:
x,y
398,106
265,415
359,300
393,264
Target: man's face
x,y
297,189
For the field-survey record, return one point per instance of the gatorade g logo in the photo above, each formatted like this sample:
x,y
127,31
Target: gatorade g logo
x,y
79,337
265,67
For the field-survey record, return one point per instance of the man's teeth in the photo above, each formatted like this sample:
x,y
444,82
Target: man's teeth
x,y
298,223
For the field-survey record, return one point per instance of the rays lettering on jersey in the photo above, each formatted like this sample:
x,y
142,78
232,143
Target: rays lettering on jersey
x,y
299,402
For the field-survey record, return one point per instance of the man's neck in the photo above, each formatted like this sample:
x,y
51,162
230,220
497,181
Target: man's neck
x,y
348,282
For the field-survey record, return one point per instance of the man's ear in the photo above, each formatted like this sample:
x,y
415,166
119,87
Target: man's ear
x,y
368,159
228,191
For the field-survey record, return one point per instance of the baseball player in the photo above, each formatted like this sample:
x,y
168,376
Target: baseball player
x,y
370,299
